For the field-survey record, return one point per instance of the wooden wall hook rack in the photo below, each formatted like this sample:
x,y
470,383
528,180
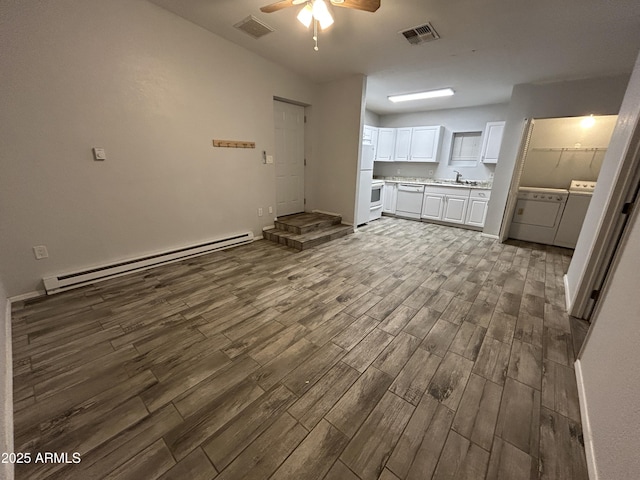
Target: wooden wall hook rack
x,y
233,144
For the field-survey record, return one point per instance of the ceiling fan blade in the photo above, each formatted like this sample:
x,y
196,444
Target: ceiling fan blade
x,y
274,7
366,5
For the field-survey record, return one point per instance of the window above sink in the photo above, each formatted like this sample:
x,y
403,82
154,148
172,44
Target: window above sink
x,y
465,149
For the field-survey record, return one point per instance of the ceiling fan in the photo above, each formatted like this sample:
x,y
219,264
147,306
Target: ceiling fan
x,y
366,5
316,11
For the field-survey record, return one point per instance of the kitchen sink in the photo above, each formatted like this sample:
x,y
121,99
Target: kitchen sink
x,y
463,183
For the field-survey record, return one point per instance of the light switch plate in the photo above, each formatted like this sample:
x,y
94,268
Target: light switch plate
x,y
269,158
99,154
40,252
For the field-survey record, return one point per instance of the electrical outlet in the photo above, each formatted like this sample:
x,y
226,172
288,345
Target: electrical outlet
x,y
270,209
431,173
40,251
260,211
398,171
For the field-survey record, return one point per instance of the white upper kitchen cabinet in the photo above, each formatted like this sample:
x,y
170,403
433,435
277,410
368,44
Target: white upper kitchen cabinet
x,y
386,144
370,135
403,144
425,144
491,142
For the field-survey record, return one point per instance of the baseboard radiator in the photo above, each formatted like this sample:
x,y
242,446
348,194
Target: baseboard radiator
x,y
67,281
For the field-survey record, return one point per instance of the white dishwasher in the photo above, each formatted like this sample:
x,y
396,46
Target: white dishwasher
x,y
409,202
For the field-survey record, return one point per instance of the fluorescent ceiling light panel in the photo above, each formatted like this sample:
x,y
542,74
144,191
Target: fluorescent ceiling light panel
x,y
443,92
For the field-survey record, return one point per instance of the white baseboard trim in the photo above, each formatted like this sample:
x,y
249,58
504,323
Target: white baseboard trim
x,y
567,295
268,227
586,425
488,235
6,470
27,296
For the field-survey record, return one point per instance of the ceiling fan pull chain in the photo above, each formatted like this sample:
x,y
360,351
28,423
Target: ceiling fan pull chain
x,y
315,34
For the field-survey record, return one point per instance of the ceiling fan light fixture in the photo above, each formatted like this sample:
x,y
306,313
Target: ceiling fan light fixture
x,y
443,92
322,14
305,16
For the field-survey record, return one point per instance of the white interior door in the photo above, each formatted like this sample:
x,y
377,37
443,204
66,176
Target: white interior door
x,y
289,162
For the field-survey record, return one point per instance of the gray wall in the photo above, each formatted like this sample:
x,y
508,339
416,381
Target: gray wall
x,y
154,90
371,118
598,96
333,170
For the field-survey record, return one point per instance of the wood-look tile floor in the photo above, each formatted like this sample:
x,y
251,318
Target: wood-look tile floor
x,y
407,350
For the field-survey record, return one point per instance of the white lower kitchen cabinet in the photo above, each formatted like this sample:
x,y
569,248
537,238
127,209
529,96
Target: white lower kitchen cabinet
x,y
477,209
455,208
432,205
390,198
445,204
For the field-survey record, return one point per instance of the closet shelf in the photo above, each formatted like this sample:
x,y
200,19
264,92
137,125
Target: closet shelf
x,y
570,149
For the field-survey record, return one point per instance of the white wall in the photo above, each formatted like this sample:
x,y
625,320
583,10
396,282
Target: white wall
x,y
556,169
454,120
610,363
371,118
332,173
153,90
598,96
6,384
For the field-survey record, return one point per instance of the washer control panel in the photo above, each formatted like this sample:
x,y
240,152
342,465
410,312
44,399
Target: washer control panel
x,y
584,186
543,194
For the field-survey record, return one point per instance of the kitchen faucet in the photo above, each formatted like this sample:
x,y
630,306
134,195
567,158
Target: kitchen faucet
x,y
458,176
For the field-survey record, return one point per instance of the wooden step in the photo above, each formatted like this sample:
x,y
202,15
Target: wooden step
x,y
306,222
302,241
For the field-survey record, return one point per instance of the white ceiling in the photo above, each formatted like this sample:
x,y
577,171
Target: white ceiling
x,y
485,48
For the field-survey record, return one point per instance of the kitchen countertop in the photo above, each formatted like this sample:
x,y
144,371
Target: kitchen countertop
x,y
485,185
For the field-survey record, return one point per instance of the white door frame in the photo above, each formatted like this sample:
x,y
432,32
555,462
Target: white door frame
x,y
512,198
610,233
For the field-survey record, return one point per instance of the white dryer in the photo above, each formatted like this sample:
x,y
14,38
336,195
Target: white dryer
x,y
575,210
538,213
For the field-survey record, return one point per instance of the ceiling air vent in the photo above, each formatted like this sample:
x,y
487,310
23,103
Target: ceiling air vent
x,y
254,27
422,34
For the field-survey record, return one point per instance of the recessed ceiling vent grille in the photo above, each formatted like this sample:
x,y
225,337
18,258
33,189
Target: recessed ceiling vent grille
x,y
421,34
254,27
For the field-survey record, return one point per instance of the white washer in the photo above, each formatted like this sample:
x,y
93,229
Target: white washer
x,y
538,213
575,210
